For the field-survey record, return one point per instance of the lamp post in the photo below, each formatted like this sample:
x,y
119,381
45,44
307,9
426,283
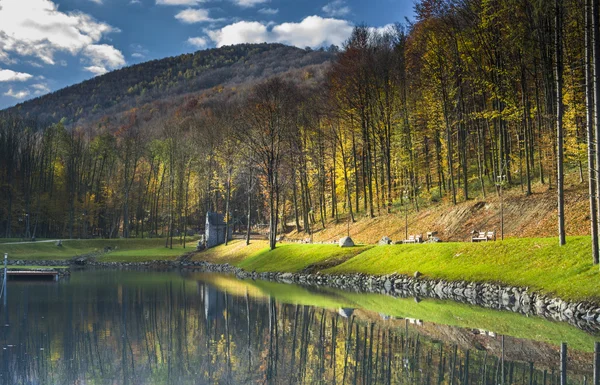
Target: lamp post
x,y
27,232
84,225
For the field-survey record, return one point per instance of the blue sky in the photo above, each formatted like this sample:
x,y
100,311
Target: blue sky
x,y
46,45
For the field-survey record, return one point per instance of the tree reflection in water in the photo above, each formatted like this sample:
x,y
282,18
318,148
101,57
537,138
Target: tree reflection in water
x,y
113,328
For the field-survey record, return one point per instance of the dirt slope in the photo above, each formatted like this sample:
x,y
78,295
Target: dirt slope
x,y
524,216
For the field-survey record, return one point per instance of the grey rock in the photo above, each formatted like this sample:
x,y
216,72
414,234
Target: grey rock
x,y
346,242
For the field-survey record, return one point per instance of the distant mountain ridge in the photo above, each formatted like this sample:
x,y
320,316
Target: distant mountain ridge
x,y
136,85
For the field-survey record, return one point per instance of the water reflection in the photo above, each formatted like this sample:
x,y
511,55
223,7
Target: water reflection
x,y
149,328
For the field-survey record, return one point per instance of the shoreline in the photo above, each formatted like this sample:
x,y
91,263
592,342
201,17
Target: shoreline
x,y
584,315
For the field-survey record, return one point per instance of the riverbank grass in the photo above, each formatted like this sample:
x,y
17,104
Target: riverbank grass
x,y
123,250
294,258
235,252
537,263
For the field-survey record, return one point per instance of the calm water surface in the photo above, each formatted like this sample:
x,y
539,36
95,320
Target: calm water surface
x,y
103,327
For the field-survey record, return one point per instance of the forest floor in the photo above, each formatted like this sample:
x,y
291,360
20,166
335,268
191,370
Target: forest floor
x,y
524,217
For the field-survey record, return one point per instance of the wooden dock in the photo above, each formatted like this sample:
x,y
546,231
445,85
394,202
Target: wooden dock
x,y
33,274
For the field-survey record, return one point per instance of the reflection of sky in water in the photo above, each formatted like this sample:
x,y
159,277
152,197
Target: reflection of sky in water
x,y
152,328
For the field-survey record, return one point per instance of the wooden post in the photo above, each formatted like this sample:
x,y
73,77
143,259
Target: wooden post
x,y
4,291
563,363
597,363
502,381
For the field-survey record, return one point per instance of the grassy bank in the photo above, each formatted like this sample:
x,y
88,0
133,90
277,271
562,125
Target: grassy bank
x,y
538,263
123,250
285,258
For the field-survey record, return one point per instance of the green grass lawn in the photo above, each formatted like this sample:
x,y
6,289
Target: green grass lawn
x,y
147,254
298,257
235,252
11,240
538,263
123,249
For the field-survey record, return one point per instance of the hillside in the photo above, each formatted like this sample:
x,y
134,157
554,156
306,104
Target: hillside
x,y
161,79
524,216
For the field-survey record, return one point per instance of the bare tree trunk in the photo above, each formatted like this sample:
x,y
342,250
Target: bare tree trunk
x,y
596,82
559,123
227,209
589,89
248,225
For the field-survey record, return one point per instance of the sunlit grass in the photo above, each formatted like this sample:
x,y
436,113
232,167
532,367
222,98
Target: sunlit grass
x,y
538,263
298,257
123,250
235,252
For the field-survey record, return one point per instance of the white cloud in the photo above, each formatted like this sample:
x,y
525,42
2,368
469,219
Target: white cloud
x,y
99,2
39,29
138,51
40,88
190,16
199,42
240,32
179,2
135,2
313,31
96,70
336,8
103,57
12,76
249,3
268,11
18,94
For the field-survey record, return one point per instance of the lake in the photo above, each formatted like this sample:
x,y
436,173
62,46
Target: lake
x,y
131,327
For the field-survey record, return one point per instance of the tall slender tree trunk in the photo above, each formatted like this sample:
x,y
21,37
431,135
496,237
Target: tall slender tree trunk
x,y
596,82
227,204
559,123
525,101
295,197
589,89
249,209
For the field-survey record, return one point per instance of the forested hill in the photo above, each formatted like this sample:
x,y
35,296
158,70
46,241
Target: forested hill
x,y
133,86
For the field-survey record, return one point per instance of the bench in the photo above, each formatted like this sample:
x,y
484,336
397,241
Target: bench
x,y
483,236
414,239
